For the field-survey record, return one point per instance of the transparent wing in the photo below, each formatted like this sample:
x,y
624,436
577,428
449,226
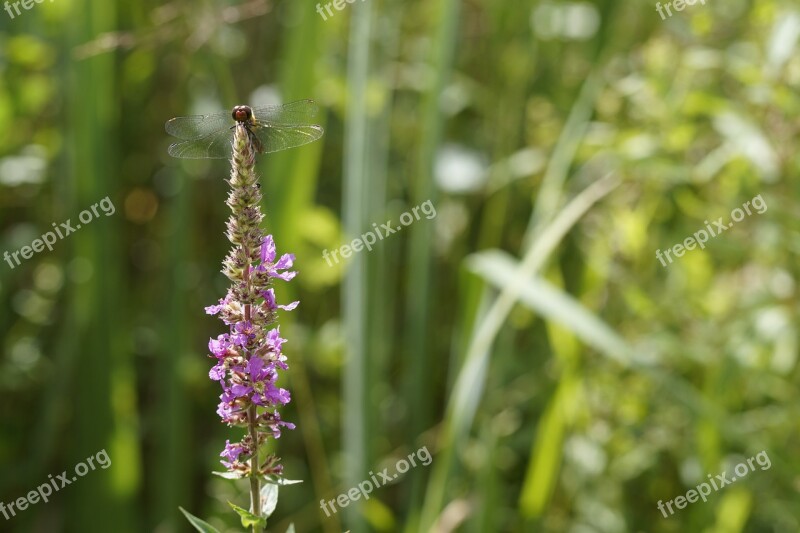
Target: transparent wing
x,y
216,145
275,138
196,126
301,112
276,128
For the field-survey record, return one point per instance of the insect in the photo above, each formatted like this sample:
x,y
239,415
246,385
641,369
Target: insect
x,y
270,128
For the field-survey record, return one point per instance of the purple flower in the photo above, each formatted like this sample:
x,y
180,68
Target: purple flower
x,y
273,422
258,369
219,346
241,391
232,452
269,299
285,262
268,254
225,410
214,309
268,251
243,327
272,395
217,372
274,339
242,334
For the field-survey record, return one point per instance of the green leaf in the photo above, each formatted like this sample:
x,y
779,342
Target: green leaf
x,y
552,303
269,499
471,377
546,454
198,524
248,518
276,480
229,475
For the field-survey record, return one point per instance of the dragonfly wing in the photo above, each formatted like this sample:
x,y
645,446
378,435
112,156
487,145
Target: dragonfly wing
x,y
300,112
275,138
216,145
196,126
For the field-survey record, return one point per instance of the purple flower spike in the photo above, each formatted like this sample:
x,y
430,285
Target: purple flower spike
x,y
248,355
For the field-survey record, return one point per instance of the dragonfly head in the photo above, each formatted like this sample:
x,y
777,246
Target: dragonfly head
x,y
242,113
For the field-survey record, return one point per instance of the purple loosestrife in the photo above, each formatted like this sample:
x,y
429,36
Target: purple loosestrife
x,y
249,357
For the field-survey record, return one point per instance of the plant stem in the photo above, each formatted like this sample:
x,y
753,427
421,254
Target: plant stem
x,y
255,482
252,415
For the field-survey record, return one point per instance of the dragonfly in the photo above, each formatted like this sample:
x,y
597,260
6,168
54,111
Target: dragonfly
x,y
270,128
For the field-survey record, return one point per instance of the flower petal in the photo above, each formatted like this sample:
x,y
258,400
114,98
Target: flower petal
x,y
286,261
268,250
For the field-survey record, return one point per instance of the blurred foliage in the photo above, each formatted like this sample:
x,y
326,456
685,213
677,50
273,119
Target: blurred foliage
x,y
562,377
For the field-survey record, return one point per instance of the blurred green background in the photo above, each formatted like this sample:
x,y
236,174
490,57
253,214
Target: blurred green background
x,y
563,379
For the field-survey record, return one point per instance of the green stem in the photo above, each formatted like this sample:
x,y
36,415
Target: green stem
x,y
252,415
255,482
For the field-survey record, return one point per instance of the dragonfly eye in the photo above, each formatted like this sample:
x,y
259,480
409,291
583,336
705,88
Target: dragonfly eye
x,y
242,113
